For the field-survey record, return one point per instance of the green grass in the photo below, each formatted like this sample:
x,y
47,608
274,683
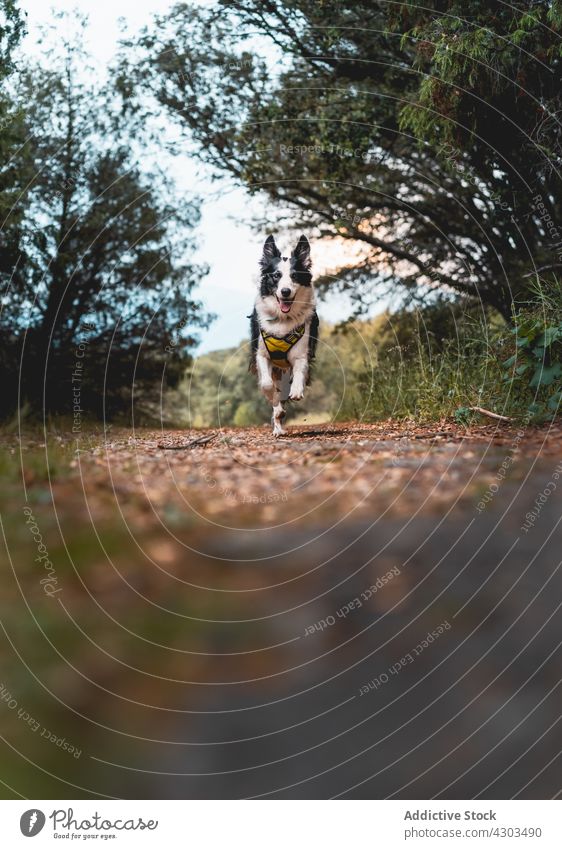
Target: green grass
x,y
439,361
429,362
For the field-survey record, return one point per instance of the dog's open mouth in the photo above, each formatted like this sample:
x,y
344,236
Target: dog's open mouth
x,y
285,304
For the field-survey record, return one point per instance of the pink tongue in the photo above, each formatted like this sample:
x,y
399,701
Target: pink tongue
x,y
284,306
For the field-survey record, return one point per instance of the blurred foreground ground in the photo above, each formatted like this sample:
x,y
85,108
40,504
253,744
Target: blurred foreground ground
x,y
250,617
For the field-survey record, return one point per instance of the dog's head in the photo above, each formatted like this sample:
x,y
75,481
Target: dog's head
x,y
282,277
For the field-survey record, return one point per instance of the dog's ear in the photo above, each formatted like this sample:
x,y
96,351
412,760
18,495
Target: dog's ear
x,y
302,253
270,250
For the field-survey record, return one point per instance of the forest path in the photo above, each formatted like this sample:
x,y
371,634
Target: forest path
x,y
243,477
354,609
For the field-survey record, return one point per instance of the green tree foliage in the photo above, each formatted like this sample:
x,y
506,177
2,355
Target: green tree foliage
x,y
104,252
533,369
11,31
425,133
11,133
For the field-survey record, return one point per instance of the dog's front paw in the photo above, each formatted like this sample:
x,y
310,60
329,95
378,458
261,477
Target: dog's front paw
x,y
266,386
296,394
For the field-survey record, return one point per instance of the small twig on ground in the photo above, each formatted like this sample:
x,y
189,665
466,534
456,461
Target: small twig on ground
x,y
431,434
490,415
543,268
201,440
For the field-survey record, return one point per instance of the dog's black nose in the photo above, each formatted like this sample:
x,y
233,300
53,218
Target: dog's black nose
x,y
286,293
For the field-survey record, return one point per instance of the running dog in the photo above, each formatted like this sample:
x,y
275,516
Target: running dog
x,y
284,327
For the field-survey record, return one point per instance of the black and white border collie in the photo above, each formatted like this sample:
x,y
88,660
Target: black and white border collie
x,y
284,327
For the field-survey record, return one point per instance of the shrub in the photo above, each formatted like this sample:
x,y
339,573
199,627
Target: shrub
x,y
534,368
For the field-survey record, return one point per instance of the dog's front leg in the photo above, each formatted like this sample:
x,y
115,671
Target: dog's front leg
x,y
265,379
300,372
278,413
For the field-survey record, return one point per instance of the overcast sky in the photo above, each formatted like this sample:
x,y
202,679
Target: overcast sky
x,y
229,247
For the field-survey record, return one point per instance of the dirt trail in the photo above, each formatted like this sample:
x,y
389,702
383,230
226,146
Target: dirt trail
x,y
351,610
320,473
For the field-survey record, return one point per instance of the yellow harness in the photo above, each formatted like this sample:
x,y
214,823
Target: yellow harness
x,y
278,347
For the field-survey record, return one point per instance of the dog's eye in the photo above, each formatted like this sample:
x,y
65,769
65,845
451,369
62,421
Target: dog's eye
x,y
277,275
